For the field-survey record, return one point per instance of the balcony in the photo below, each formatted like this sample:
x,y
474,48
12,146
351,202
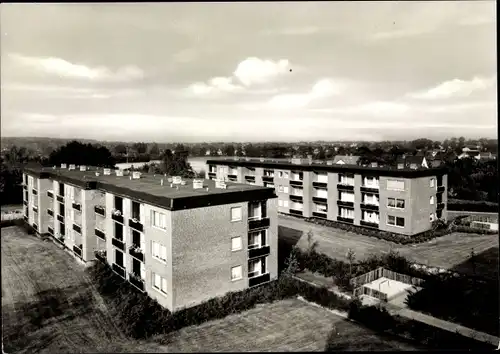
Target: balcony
x,y
320,200
100,256
136,252
136,281
440,206
346,220
320,185
296,183
35,226
51,230
319,214
250,178
365,206
25,187
345,187
367,189
118,270
77,206
368,224
50,212
440,189
118,244
268,178
100,234
296,212
35,208
259,279
60,198
258,223
99,209
60,218
35,192
50,194
232,176
259,252
117,216
135,224
343,203
296,198
78,250
26,218
25,202
211,174
77,228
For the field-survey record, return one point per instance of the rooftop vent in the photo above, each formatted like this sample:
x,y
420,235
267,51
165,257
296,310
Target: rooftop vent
x,y
97,173
220,183
83,168
72,167
197,183
374,164
176,179
63,165
136,175
161,182
261,159
296,161
183,183
119,173
107,171
54,167
329,163
169,179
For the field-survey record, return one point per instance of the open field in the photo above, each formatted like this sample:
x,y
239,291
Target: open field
x,y
49,305
445,252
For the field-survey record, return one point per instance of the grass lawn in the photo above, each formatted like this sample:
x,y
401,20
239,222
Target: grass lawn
x,y
486,264
445,252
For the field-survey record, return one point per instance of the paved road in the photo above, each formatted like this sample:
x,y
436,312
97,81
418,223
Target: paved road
x,y
445,252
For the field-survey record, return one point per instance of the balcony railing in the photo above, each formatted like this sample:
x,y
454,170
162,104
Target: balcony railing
x,y
118,270
60,198
25,202
35,208
346,220
296,183
100,255
136,224
258,224
296,198
136,281
296,212
345,187
344,203
51,230
50,194
367,206
78,250
35,226
367,189
117,217
77,228
211,174
319,214
268,178
118,244
259,279
60,218
320,200
250,178
368,224
259,252
77,206
440,206
136,252
99,209
440,189
321,185
25,218
50,212
100,234
35,192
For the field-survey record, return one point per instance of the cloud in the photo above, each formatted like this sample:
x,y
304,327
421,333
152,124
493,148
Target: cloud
x,y
298,31
215,86
321,89
402,33
62,68
455,88
376,108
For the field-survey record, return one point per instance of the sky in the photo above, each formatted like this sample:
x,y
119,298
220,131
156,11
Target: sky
x,y
290,71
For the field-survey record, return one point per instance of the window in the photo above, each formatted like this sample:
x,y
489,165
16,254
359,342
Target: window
x,y
281,188
236,243
395,221
395,203
346,179
285,203
322,193
236,273
119,258
431,201
158,220
159,283
159,251
432,182
346,213
395,185
285,189
281,174
257,239
431,217
347,197
236,214
280,202
370,216
285,174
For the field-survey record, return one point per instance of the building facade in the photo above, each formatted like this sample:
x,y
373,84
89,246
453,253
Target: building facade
x,y
403,201
181,242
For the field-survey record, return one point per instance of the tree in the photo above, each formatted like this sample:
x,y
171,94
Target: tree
x,y
311,243
154,150
140,148
120,149
229,150
291,264
82,154
175,164
351,257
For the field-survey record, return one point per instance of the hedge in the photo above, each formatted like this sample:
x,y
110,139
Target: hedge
x,y
472,205
19,222
436,338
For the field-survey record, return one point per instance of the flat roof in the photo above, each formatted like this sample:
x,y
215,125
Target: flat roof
x,y
388,286
149,189
365,170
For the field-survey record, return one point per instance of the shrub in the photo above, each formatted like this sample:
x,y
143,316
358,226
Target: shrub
x,y
471,205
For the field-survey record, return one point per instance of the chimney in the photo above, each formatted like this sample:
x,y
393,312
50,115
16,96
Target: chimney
x,y
97,174
71,167
83,168
310,159
107,171
176,179
171,185
206,189
136,175
119,173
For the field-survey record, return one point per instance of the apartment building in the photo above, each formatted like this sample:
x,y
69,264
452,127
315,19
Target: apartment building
x,y
400,200
180,241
